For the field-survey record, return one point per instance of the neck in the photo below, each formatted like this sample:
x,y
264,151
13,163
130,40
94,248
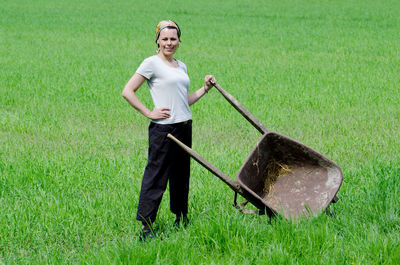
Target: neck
x,y
167,58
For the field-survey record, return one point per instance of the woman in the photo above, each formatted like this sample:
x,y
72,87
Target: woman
x,y
169,85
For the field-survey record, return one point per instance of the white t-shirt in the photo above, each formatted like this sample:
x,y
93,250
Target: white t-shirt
x,y
168,86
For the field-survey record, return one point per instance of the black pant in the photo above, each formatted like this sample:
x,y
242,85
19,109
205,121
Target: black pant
x,y
167,161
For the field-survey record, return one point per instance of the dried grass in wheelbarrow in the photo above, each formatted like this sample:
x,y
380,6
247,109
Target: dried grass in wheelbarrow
x,y
274,170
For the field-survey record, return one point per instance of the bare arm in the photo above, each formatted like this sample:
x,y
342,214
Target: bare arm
x,y
195,96
129,94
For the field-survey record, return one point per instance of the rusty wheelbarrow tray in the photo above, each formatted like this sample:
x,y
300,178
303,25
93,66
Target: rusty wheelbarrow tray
x,y
280,176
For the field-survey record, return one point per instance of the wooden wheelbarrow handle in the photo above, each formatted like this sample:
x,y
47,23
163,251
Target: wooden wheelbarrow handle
x,y
242,110
234,185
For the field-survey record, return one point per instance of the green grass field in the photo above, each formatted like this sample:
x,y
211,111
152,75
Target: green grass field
x,y
72,150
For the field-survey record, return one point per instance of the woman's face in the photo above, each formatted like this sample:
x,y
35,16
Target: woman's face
x,y
168,41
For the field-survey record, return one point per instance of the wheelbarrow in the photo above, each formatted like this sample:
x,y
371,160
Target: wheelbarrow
x,y
280,176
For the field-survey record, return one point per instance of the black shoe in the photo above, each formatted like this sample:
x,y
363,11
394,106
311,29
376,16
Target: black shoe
x,y
145,234
184,219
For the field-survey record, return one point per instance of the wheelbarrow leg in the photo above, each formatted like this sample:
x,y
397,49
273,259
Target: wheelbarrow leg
x,y
241,206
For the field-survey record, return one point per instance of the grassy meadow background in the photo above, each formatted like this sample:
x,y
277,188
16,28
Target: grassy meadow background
x,y
72,150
